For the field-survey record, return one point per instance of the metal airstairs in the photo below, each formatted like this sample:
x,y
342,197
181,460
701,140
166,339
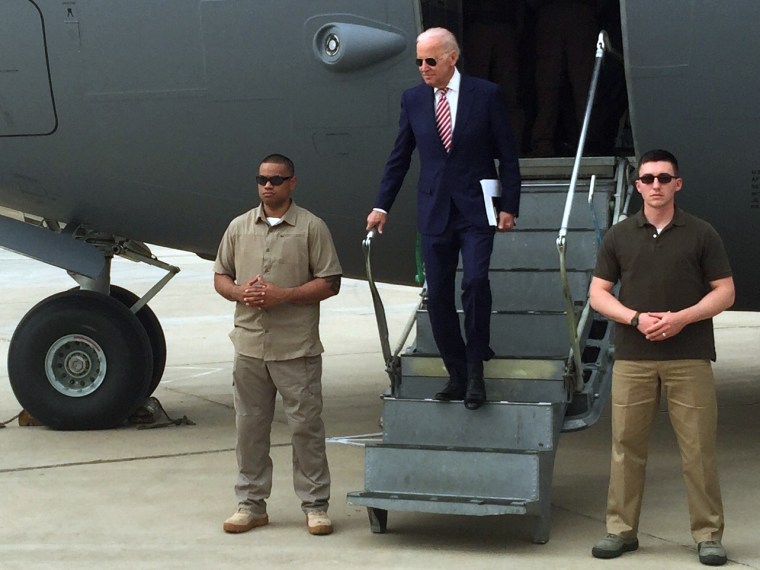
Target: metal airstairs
x,y
439,457
551,372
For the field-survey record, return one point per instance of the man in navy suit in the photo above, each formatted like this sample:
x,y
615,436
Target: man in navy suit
x,y
451,214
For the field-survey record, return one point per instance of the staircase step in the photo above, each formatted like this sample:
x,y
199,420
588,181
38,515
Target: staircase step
x,y
517,335
513,380
538,250
498,389
542,207
562,167
504,426
439,504
447,472
531,290
506,368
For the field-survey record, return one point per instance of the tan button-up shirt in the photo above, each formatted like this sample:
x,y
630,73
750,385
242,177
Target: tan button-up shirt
x,y
292,253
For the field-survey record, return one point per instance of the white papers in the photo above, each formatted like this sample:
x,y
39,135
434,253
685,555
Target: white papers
x,y
491,190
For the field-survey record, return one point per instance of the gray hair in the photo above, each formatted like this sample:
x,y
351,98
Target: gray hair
x,y
444,36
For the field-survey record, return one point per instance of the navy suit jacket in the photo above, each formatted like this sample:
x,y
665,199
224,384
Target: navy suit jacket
x,y
482,133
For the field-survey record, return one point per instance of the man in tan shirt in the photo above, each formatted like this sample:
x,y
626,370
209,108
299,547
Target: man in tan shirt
x,y
277,262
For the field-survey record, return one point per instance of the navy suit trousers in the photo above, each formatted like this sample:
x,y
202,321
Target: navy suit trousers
x,y
441,255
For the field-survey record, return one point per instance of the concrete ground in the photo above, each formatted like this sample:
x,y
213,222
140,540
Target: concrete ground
x,y
130,498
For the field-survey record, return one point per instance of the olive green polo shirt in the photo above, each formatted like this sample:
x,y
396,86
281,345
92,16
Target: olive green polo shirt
x,y
289,254
665,272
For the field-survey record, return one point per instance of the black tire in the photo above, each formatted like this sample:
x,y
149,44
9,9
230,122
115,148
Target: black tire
x,y
152,326
80,360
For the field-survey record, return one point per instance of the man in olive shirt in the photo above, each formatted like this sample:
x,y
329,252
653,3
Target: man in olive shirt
x,y
277,262
674,277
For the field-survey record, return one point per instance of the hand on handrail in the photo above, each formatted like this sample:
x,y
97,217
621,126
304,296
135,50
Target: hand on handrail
x,y
371,234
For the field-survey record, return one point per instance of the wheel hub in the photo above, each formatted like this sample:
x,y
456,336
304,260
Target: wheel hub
x,y
75,365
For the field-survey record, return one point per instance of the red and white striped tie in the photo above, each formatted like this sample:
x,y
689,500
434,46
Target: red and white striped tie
x,y
443,118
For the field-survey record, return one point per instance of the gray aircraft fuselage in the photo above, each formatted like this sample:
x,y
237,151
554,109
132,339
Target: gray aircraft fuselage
x,y
144,121
147,119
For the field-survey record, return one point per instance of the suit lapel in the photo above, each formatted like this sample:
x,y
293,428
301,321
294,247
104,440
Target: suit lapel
x,y
429,114
464,105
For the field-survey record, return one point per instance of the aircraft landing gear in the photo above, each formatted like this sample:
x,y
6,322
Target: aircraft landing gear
x,y
89,357
152,326
81,360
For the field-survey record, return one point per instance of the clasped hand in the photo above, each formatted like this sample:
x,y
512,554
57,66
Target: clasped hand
x,y
262,294
660,326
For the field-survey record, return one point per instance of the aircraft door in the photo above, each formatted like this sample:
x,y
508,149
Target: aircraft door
x,y
26,97
443,13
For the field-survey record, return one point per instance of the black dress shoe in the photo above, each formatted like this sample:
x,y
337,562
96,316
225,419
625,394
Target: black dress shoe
x,y
475,394
452,391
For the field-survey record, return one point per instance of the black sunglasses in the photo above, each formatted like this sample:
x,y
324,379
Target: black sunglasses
x,y
275,180
431,61
663,178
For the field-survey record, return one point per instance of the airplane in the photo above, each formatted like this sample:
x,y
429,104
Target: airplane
x,y
142,122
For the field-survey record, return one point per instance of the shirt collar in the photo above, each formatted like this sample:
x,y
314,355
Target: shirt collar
x,y
454,82
679,218
288,217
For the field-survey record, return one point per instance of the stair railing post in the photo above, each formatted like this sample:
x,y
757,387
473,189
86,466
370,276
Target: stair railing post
x,y
562,236
392,360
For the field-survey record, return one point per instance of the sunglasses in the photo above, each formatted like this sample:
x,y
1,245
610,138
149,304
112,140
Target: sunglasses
x,y
275,180
431,61
663,178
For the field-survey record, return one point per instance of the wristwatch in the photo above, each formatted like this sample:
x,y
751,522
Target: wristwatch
x,y
635,320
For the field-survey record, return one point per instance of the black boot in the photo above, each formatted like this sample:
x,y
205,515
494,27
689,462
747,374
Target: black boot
x,y
454,390
475,394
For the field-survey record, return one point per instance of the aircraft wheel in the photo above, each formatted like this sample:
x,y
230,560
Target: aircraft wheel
x,y
152,326
80,360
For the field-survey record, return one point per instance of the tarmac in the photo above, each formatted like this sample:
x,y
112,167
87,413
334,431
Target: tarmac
x,y
156,498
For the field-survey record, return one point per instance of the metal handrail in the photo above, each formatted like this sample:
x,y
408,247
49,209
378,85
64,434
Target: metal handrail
x,y
391,358
575,357
594,217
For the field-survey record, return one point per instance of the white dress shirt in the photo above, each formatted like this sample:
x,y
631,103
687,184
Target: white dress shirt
x,y
452,96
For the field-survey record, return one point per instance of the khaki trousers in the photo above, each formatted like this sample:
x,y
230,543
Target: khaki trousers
x,y
690,392
256,384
